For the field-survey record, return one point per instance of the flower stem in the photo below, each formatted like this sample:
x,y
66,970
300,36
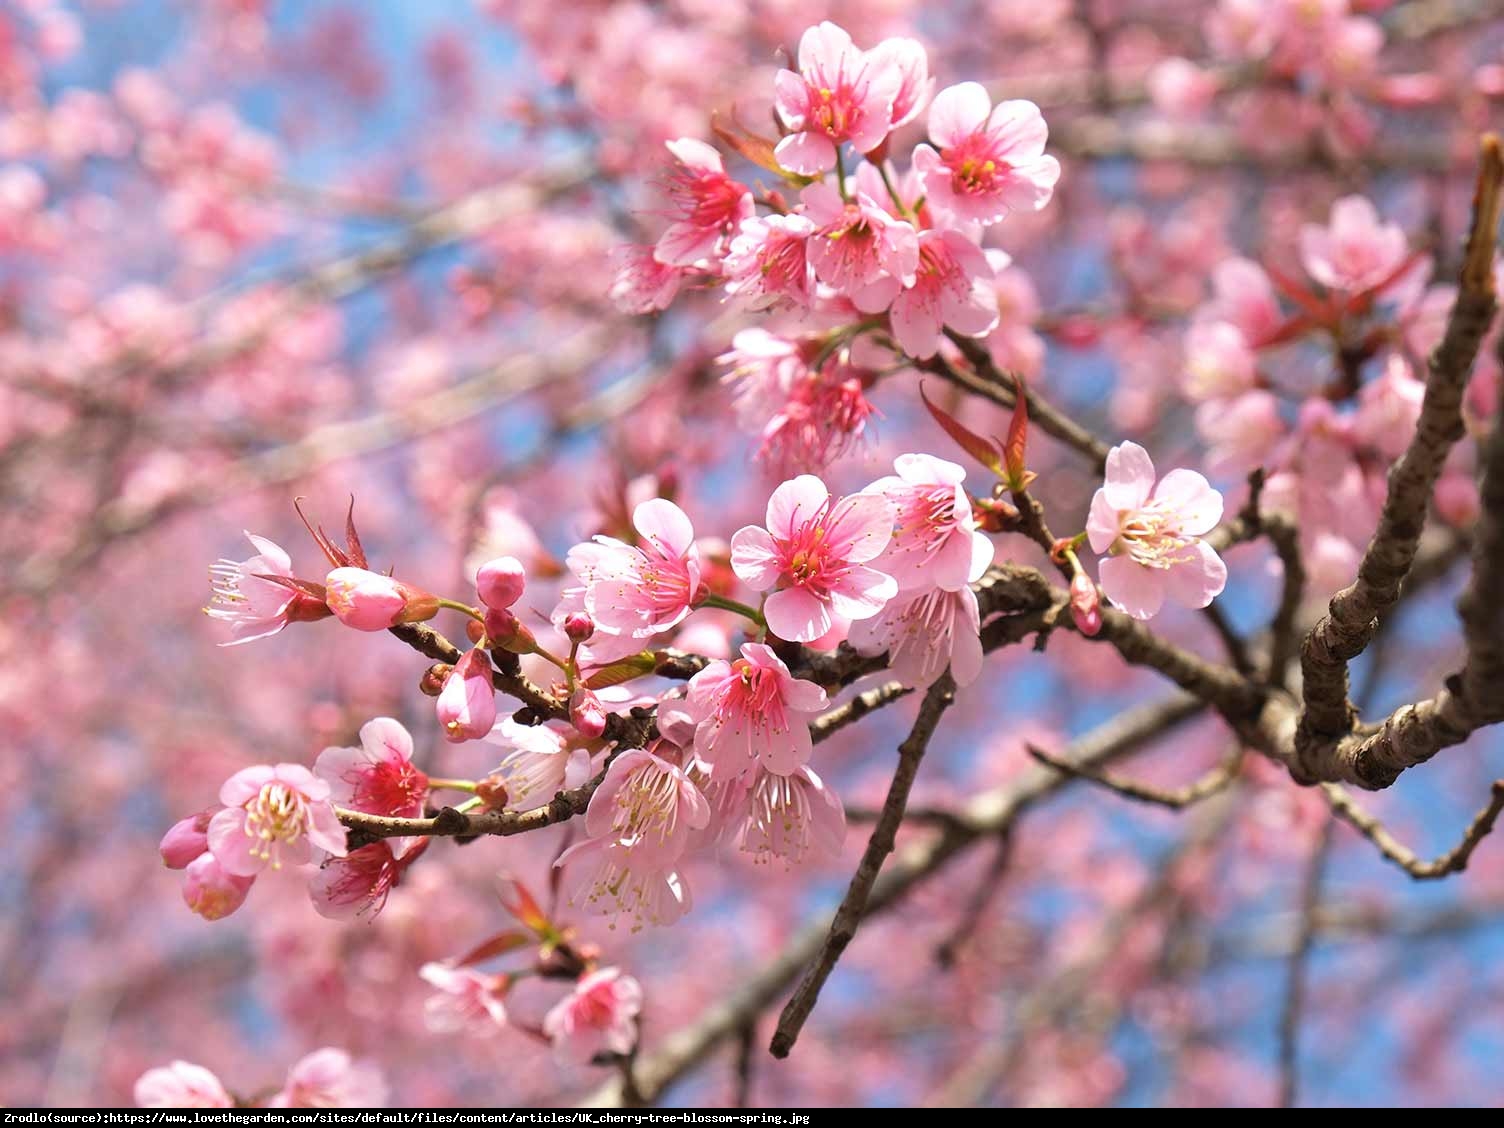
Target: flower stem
x,y
455,605
841,175
721,603
451,784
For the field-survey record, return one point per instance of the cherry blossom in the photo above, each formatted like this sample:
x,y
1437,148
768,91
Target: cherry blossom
x,y
464,1000
254,606
814,551
1354,251
709,205
181,1085
1153,535
331,1078
379,777
840,94
598,1016
952,289
935,538
273,815
752,712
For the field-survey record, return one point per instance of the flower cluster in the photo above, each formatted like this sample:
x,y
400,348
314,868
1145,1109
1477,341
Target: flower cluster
x,y
326,1078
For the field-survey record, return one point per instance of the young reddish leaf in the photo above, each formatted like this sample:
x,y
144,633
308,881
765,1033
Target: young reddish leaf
x,y
516,899
1016,449
498,945
1285,332
332,552
352,539
983,450
1321,311
758,150
635,666
1362,301
292,583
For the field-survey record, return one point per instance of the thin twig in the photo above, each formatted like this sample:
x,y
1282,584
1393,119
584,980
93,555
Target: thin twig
x,y
1453,861
1293,1009
884,835
1212,782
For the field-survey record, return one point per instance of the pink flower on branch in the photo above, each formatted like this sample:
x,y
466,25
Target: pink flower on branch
x,y
181,1085
649,806
768,263
1153,534
795,817
814,552
370,601
1354,252
923,633
708,205
466,706
604,876
360,882
249,598
379,777
752,712
840,95
466,1001
858,249
539,763
935,539
952,287
991,159
598,1016
211,891
330,1078
273,815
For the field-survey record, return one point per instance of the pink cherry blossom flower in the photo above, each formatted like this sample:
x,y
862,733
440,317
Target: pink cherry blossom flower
x,y
814,550
211,891
379,777
1153,534
360,882
648,805
586,713
467,1001
709,206
1086,605
500,582
858,249
1389,408
1218,361
640,283
908,58
1354,251
255,607
466,706
991,159
186,839
768,262
181,1085
598,1016
752,711
1181,89
794,817
1243,295
952,287
539,763
935,539
272,815
925,631
633,593
840,94
1240,433
330,1078
806,418
604,876
369,601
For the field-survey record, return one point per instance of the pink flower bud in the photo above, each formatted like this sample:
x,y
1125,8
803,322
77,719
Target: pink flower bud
x,y
1086,606
579,627
212,892
587,714
432,682
187,839
369,601
505,630
500,582
466,706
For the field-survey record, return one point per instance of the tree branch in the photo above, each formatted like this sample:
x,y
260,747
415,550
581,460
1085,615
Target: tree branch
x,y
1209,784
1453,861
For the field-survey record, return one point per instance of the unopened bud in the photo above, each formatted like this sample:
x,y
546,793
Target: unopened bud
x,y
369,601
466,706
1086,605
505,630
587,714
579,627
474,631
186,840
500,582
431,684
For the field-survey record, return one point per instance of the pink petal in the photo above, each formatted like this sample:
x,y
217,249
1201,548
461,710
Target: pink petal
x,y
795,502
230,844
325,830
957,112
861,527
790,97
796,615
386,739
272,554
1134,589
662,522
1192,497
1102,523
754,558
808,154
1197,582
863,593
246,784
695,154
824,48
1130,476
1019,128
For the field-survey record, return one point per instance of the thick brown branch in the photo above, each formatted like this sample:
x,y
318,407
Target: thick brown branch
x,y
884,837
1353,617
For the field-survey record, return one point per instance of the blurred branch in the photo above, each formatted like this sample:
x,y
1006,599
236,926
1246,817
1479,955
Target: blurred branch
x,y
1293,1009
1453,861
1212,782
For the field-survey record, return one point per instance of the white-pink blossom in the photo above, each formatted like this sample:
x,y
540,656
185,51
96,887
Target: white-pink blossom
x,y
331,1078
1153,533
274,815
952,288
181,1085
923,632
839,95
768,262
858,249
752,712
1355,251
793,817
935,539
539,763
814,551
708,205
465,1000
598,1016
379,777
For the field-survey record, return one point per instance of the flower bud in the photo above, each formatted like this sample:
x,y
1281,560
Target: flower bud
x,y
474,631
1086,606
212,892
186,840
500,582
587,714
369,601
432,682
466,706
579,627
505,630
